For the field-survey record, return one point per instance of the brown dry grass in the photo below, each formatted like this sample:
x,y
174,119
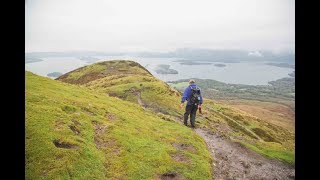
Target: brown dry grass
x,y
271,112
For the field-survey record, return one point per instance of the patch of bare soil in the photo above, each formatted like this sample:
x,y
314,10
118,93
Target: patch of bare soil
x,y
187,147
76,122
59,125
99,129
63,144
180,157
86,110
112,94
170,176
110,116
233,161
140,101
102,142
75,129
137,93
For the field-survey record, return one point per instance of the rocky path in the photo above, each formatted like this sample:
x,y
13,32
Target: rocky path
x,y
233,161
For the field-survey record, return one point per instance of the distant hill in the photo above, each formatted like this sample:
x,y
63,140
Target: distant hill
x,y
54,74
275,90
185,55
32,60
127,80
165,69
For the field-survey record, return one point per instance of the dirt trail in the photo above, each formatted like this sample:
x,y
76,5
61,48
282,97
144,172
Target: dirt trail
x,y
140,100
137,93
233,161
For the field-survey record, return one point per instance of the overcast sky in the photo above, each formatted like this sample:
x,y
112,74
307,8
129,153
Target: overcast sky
x,y
159,25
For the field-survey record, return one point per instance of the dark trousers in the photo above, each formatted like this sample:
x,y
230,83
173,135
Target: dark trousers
x,y
190,110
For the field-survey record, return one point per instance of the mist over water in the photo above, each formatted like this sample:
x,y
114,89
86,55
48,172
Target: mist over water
x,y
54,64
250,73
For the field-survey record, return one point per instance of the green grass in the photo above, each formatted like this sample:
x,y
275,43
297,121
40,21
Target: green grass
x,y
103,69
154,94
277,142
86,70
273,150
130,82
109,137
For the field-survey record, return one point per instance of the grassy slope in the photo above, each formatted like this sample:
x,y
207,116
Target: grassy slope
x,y
276,141
153,93
102,137
272,112
132,83
103,69
116,138
271,119
137,84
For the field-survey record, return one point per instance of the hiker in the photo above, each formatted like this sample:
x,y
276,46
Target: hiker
x,y
193,95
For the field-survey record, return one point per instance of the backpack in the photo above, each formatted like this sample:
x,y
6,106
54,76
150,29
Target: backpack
x,y
195,95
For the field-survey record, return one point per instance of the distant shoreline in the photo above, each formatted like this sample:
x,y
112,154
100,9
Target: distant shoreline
x,y
54,74
203,62
220,65
283,65
32,60
165,69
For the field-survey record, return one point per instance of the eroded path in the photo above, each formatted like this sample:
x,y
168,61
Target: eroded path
x,y
233,161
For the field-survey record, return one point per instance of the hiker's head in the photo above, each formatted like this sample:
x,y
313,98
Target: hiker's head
x,y
191,81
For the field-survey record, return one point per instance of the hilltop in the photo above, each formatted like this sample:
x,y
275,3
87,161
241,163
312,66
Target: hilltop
x,y
129,81
73,132
113,119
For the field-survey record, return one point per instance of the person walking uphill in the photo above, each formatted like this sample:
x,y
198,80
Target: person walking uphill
x,y
193,95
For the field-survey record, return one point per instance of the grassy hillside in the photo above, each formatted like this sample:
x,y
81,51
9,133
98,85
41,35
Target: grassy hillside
x,y
258,134
73,132
132,83
136,85
275,113
113,119
259,117
103,69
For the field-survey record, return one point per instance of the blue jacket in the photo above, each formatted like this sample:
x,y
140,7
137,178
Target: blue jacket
x,y
187,93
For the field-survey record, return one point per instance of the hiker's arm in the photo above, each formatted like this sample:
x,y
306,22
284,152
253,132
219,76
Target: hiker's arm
x,y
185,95
201,100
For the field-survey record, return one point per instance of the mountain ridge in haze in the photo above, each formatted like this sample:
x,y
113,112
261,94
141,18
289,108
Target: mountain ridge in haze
x,y
198,54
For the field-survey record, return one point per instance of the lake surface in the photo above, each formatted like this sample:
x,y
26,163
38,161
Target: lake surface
x,y
55,64
251,73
